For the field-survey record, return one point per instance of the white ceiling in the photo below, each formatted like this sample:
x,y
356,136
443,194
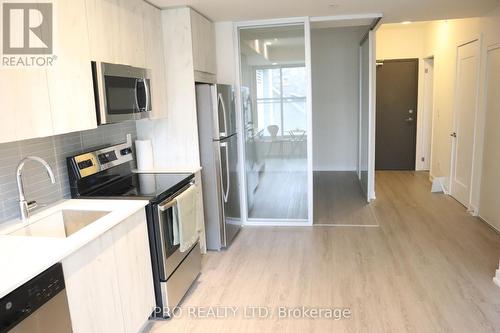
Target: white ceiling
x,y
393,10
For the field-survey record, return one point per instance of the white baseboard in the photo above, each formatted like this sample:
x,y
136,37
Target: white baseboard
x,y
496,279
472,210
438,185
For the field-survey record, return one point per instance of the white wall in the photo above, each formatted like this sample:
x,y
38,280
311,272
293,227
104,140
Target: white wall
x,y
335,97
398,41
490,185
441,39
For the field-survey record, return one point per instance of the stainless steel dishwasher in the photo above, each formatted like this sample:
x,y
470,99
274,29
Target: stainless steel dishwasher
x,y
39,305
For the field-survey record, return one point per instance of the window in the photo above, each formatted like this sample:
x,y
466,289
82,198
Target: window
x,y
281,98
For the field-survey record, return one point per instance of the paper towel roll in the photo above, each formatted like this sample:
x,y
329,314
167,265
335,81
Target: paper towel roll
x,y
144,153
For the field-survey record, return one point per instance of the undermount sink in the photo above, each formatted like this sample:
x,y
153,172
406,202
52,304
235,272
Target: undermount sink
x,y
60,224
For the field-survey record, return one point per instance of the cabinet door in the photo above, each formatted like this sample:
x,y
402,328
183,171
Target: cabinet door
x,y
203,36
25,104
155,59
133,268
94,296
131,33
103,17
70,77
200,216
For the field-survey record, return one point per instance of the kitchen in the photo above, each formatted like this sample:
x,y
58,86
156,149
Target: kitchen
x,y
97,206
156,174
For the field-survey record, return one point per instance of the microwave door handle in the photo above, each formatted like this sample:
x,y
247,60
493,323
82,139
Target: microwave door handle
x,y
147,93
136,92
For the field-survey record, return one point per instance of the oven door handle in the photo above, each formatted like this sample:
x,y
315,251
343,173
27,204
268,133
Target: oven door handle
x,y
163,248
167,205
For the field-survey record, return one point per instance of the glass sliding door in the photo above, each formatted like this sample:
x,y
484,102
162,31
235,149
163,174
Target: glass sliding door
x,y
274,85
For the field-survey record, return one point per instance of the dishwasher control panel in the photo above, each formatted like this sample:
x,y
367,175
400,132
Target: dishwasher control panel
x,y
26,299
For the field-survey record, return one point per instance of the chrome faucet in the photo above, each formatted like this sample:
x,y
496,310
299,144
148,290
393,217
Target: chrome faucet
x,y
24,205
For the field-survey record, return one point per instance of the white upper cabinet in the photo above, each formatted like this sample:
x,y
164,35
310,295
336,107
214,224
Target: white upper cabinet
x,y
116,31
57,99
131,33
70,78
103,17
25,104
203,36
155,59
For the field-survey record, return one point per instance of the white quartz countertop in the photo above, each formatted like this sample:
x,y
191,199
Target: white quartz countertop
x,y
24,257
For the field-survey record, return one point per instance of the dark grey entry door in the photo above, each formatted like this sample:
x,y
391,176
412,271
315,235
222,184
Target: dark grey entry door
x,y
396,125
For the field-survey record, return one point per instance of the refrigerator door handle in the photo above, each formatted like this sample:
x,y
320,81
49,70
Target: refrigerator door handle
x,y
227,175
226,192
220,101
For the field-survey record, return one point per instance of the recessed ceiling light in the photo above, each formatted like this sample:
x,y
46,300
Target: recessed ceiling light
x,y
406,22
275,63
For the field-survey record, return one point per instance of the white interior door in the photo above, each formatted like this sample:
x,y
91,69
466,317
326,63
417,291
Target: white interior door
x,y
464,120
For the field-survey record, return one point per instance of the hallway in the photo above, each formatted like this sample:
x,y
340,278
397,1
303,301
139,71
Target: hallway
x,y
339,200
427,268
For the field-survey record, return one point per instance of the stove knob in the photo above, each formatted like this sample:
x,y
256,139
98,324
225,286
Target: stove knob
x,y
126,151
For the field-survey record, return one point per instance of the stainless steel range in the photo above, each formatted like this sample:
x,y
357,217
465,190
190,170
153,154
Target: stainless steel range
x,y
107,173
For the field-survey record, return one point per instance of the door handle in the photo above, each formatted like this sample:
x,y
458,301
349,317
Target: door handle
x,y
220,101
226,192
454,134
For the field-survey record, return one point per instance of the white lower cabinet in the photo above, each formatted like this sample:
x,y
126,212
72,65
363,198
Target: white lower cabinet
x,y
133,268
109,281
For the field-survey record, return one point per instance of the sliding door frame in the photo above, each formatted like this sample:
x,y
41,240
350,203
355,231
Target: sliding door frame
x,y
304,21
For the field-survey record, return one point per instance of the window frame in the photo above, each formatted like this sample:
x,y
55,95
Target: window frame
x,y
282,100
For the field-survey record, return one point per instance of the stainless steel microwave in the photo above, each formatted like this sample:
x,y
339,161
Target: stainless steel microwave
x,y
121,92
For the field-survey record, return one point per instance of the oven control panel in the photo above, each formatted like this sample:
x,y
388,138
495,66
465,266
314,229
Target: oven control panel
x,y
92,162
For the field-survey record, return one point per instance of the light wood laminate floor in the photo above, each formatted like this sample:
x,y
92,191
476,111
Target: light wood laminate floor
x,y
427,268
282,191
339,200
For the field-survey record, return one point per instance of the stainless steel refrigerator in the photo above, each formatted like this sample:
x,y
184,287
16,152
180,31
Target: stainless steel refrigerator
x,y
218,139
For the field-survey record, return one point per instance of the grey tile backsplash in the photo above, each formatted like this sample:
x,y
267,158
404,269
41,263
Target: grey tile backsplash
x,y
54,150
